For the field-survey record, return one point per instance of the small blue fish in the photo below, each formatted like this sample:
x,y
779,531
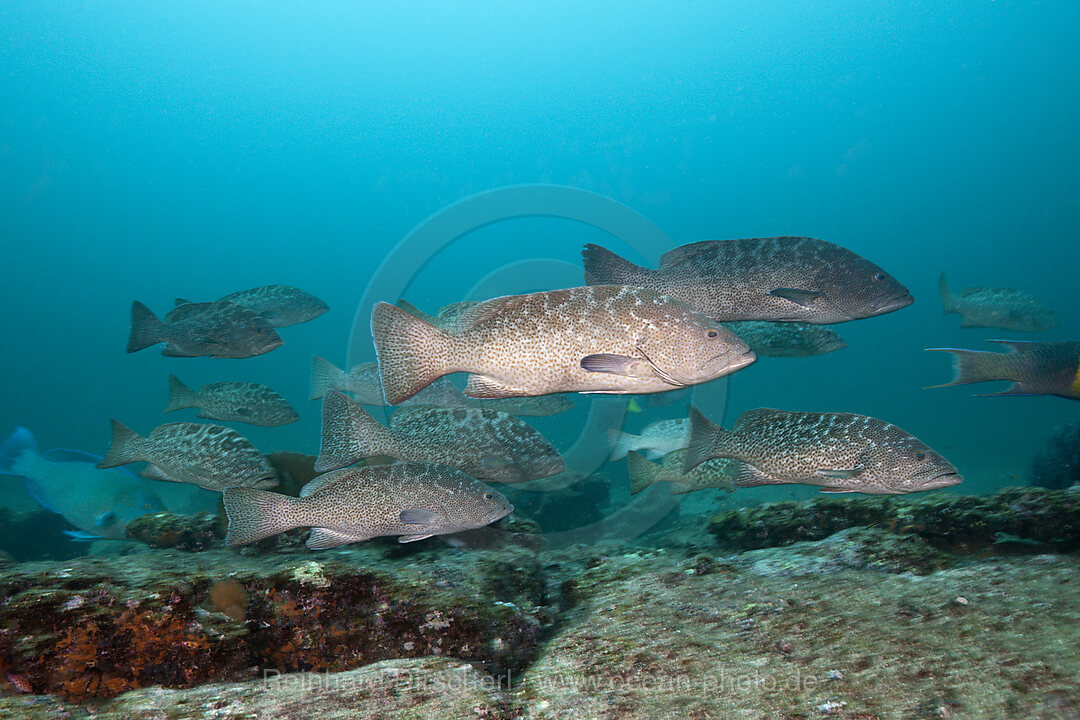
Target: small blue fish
x,y
99,502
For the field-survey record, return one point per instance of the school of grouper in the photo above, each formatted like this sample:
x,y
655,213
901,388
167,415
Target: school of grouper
x,y
708,310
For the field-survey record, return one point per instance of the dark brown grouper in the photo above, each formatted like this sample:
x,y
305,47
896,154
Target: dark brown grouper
x,y
1035,368
1003,308
486,444
413,500
217,329
210,456
279,305
786,339
600,339
840,452
249,403
776,278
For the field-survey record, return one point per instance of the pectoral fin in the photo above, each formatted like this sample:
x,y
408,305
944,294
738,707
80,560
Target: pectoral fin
x,y
797,295
417,516
616,365
835,490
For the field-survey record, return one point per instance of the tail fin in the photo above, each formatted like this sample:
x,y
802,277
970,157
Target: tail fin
x,y
642,472
145,328
257,514
707,440
325,376
412,353
972,366
180,396
349,434
124,446
603,267
622,443
19,441
948,300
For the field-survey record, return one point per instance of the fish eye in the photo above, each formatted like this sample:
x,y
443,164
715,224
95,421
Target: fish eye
x,y
879,276
713,333
920,455
488,496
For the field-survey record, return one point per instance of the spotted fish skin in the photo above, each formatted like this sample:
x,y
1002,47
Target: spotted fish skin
x,y
249,403
713,473
608,339
280,305
774,278
217,329
486,444
1034,368
1002,308
213,457
840,452
786,339
412,500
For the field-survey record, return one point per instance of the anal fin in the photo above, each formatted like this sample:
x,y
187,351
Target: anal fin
x,y
482,386
323,538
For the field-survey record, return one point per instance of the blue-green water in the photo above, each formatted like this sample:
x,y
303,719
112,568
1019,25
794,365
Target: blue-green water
x,y
189,150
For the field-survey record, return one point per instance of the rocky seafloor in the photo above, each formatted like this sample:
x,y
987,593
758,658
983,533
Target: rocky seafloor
x,y
941,606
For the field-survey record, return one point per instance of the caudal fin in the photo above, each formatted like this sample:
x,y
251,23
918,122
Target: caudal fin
x,y
257,514
180,396
18,442
642,472
124,446
325,376
972,366
707,440
412,353
948,300
603,267
349,434
622,443
145,328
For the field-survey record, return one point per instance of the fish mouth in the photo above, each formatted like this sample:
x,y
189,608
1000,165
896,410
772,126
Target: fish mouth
x,y
727,364
500,514
943,480
894,304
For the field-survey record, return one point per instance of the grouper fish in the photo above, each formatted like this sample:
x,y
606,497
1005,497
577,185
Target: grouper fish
x,y
598,339
839,452
775,278
411,500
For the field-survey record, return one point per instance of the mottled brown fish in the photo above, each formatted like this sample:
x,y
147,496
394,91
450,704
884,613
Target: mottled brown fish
x,y
1034,368
217,329
486,444
840,452
713,473
249,403
775,278
280,305
786,339
210,456
412,500
606,339
1002,308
